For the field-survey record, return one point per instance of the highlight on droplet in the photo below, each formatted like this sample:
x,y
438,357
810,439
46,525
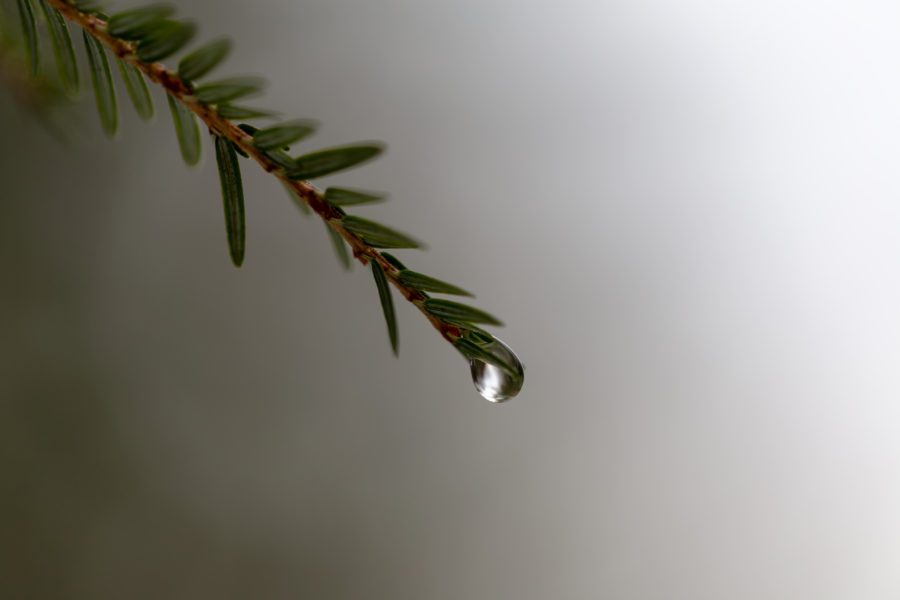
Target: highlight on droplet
x,y
501,379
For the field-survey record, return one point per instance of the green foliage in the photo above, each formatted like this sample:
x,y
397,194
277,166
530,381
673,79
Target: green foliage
x,y
332,160
340,246
204,59
281,158
29,30
63,50
478,336
165,39
104,91
230,89
138,23
229,111
346,197
387,305
455,312
377,235
141,36
424,283
283,135
137,90
232,198
476,351
393,260
91,7
186,130
299,202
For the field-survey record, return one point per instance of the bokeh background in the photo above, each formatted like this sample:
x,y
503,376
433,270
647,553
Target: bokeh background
x,y
686,213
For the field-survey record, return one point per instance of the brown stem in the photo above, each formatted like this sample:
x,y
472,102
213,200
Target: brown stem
x,y
181,91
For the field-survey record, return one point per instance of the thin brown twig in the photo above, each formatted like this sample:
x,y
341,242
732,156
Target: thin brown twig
x,y
314,198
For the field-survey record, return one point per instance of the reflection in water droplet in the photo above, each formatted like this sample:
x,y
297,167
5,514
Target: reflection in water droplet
x,y
496,384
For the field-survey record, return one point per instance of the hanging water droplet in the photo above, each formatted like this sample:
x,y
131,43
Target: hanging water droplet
x,y
493,383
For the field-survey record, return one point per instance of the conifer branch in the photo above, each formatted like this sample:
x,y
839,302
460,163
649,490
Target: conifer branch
x,y
140,39
314,198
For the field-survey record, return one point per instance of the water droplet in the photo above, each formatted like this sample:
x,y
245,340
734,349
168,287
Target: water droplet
x,y
493,383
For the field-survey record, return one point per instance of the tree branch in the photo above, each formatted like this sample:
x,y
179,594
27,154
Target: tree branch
x,y
183,92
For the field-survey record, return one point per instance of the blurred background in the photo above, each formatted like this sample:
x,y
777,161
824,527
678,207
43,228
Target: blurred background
x,y
686,213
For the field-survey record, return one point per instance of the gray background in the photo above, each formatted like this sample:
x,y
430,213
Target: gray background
x,y
686,213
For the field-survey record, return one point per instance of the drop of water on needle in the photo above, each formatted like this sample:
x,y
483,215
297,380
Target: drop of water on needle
x,y
496,384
